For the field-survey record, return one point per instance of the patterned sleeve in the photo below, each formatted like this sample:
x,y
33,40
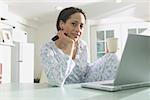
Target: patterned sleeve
x,y
104,68
57,65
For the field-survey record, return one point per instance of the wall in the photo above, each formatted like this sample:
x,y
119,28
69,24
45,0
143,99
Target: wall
x,y
39,37
3,9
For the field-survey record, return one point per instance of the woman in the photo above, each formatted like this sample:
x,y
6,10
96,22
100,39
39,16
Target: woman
x,y
64,58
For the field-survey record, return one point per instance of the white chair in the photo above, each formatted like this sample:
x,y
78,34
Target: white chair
x,y
43,78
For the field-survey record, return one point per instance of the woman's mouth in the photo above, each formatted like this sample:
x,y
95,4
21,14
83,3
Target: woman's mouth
x,y
76,35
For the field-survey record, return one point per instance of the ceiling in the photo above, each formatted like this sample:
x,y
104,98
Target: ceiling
x,y
43,11
39,11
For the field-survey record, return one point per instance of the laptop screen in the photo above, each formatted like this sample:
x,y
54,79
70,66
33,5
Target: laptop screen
x,y
135,61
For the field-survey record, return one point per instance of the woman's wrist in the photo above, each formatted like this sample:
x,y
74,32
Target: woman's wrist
x,y
69,50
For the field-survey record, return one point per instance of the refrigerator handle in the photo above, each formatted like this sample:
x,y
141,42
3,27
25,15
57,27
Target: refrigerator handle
x,y
20,61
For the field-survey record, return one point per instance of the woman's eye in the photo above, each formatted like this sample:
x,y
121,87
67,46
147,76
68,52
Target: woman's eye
x,y
81,26
74,24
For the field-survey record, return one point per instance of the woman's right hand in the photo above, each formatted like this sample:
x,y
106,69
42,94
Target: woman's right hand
x,y
65,43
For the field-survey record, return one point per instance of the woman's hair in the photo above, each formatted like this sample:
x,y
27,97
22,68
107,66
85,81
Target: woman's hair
x,y
65,14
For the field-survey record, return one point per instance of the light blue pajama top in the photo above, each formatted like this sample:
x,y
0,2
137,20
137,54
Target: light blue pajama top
x,y
62,69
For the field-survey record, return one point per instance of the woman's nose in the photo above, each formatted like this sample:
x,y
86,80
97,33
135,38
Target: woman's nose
x,y
78,29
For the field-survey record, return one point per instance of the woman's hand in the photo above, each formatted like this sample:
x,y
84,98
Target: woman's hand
x,y
65,43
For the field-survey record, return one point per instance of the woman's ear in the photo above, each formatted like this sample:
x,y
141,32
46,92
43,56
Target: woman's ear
x,y
61,24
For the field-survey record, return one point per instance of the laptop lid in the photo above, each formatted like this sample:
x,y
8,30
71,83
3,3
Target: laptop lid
x,y
135,61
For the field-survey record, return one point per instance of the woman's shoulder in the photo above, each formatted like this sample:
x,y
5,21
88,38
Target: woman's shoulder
x,y
48,48
48,45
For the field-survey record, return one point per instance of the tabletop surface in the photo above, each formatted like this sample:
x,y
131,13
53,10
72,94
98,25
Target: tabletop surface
x,y
68,92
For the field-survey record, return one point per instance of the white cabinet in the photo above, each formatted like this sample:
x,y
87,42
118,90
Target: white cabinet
x,y
5,60
5,52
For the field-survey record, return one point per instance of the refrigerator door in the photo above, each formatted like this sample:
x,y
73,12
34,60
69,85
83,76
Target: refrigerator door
x,y
26,63
22,69
14,63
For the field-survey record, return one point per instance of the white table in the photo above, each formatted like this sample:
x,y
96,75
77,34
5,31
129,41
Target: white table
x,y
68,92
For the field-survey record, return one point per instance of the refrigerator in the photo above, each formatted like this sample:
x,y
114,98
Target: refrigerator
x,y
22,63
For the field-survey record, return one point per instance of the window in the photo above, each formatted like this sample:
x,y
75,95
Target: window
x,y
99,35
101,41
137,30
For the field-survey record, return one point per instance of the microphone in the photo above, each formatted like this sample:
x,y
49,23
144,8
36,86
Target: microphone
x,y
55,38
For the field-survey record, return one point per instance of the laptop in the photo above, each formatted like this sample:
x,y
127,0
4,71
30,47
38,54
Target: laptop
x,y
134,67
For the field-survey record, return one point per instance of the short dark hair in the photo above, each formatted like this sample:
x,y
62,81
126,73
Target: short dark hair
x,y
66,13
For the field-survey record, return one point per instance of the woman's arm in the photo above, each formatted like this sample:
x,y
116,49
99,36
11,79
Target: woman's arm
x,y
103,68
65,43
57,66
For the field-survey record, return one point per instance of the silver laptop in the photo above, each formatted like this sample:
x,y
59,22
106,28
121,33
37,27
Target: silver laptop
x,y
134,67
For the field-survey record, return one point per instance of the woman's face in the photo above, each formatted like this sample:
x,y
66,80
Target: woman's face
x,y
73,27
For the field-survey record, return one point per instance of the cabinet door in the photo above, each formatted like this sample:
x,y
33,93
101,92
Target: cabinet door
x,y
99,35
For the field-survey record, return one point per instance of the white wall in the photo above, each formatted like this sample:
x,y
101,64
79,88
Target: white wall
x,y
42,34
3,9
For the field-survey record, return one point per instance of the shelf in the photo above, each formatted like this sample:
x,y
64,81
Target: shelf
x,y
7,44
